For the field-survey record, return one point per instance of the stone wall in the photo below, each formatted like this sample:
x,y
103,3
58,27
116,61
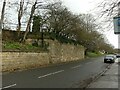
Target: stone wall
x,y
57,53
21,60
65,52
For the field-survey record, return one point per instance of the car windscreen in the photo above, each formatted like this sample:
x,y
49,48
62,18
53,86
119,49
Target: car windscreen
x,y
109,57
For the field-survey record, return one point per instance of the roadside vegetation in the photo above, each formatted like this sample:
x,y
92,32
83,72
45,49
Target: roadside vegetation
x,y
16,46
54,21
93,54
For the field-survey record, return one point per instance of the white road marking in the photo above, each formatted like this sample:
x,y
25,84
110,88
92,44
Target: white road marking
x,y
50,74
76,66
9,86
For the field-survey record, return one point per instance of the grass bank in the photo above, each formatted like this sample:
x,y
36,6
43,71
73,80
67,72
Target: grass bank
x,y
16,46
93,54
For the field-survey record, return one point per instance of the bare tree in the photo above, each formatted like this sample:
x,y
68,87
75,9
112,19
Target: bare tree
x,y
109,8
20,14
29,21
106,10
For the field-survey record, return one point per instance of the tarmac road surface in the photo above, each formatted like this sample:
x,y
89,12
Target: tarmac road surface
x,y
68,75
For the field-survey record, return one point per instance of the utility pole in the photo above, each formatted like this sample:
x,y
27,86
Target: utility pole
x,y
2,16
118,34
1,25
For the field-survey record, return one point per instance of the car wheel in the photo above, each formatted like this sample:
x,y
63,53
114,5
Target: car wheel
x,y
113,61
104,61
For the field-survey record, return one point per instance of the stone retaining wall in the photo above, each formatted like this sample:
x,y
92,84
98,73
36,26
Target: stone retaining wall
x,y
57,53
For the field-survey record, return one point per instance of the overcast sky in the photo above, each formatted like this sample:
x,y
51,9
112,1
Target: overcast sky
x,y
85,6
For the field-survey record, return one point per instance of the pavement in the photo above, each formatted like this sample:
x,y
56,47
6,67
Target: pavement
x,y
109,79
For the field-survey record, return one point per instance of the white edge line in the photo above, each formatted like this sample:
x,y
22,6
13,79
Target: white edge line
x,y
9,86
51,74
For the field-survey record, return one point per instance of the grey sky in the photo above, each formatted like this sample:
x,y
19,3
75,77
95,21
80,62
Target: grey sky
x,y
87,6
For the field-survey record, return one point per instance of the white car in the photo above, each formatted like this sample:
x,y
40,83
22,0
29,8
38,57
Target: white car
x,y
118,56
109,58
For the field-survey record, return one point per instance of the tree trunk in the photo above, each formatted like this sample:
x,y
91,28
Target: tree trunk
x,y
29,21
42,39
20,13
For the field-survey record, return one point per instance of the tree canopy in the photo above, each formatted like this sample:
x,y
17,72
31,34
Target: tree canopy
x,y
63,25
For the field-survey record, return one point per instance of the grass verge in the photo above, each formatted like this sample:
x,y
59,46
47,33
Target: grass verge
x,y
16,46
93,54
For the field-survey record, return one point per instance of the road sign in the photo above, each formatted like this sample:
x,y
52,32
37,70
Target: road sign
x,y
116,21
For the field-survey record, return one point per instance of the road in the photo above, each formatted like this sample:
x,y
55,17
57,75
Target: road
x,y
68,75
